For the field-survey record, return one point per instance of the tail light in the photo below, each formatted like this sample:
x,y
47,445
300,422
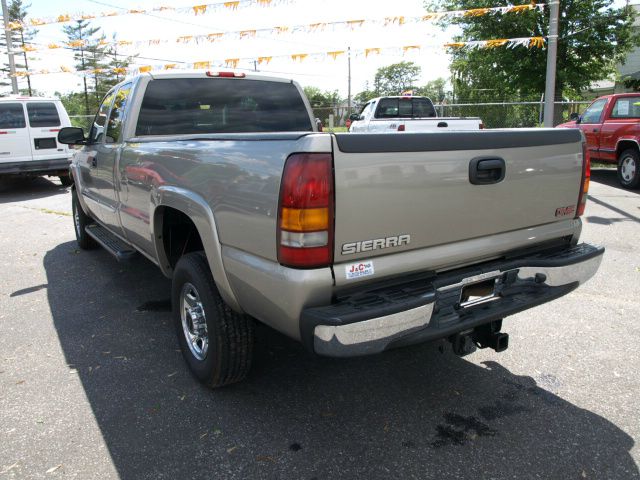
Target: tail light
x,y
306,213
401,128
481,126
584,183
226,74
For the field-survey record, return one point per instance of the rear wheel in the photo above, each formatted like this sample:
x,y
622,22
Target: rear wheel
x,y
80,221
629,168
216,342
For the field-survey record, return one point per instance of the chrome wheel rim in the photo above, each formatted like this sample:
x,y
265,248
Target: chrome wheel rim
x,y
194,322
628,169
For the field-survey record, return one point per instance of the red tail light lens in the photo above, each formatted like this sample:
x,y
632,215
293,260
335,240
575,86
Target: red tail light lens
x,y
306,213
584,184
401,128
481,126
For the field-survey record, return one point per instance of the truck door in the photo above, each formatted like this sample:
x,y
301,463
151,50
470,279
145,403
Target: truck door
x,y
106,159
45,123
87,161
591,123
14,136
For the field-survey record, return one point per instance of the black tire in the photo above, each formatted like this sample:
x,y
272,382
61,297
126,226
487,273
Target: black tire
x,y
229,335
66,180
80,221
629,168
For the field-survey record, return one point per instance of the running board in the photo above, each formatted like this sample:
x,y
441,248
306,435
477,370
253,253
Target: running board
x,y
112,244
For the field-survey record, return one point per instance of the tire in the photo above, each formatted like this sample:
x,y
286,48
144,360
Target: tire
x,y
66,180
80,221
629,168
216,342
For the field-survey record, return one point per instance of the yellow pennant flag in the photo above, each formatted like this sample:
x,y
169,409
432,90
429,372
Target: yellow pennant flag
x,y
199,9
170,66
87,17
264,3
124,43
144,69
521,8
262,60
335,54
65,69
232,62
247,34
299,57
15,26
36,22
184,39
212,37
536,42
201,65
53,46
496,43
409,48
455,45
391,20
281,29
76,43
355,23
120,71
231,5
369,51
476,12
63,18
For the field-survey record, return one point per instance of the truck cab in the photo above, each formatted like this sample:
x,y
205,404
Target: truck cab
x,y
611,126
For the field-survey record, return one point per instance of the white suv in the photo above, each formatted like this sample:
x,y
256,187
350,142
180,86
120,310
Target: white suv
x,y
28,137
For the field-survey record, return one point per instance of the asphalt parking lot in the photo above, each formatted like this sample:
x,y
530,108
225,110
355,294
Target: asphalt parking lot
x,y
93,386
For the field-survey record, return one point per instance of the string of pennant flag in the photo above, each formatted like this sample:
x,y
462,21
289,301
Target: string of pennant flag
x,y
264,32
238,4
526,42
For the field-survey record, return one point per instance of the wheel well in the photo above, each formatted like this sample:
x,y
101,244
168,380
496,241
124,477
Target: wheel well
x,y
625,145
179,234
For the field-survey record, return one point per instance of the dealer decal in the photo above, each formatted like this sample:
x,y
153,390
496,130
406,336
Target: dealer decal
x,y
357,270
564,211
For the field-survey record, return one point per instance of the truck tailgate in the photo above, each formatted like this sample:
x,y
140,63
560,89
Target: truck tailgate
x,y
388,187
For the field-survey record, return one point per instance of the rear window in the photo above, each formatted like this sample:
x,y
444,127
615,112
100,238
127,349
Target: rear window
x,y
405,108
43,114
180,106
12,115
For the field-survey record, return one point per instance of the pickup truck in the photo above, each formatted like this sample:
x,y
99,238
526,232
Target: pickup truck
x,y
406,114
611,125
350,243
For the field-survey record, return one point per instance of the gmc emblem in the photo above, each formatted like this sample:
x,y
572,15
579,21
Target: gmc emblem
x,y
564,211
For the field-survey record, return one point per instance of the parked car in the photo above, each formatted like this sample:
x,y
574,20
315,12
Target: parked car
x,y
611,125
28,144
349,243
406,114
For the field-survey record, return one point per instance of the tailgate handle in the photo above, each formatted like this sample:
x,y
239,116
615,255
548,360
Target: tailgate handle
x,y
486,170
443,124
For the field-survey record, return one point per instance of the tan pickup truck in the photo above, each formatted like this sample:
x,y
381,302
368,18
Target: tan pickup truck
x,y
349,243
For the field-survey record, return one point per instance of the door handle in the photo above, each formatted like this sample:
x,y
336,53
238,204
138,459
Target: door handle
x,y
443,124
595,130
93,163
486,170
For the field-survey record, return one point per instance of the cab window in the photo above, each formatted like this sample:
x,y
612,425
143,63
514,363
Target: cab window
x,y
12,115
626,107
43,114
114,127
97,129
593,113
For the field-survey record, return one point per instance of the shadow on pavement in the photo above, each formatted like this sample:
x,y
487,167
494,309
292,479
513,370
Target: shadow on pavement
x,y
409,413
17,189
609,176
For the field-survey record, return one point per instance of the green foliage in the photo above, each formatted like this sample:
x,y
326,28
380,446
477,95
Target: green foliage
x,y
320,99
396,78
436,90
593,37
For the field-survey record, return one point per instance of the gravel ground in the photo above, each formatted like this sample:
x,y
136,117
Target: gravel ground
x,y
92,384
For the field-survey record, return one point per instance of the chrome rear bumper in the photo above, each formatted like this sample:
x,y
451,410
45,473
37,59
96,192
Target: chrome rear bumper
x,y
354,326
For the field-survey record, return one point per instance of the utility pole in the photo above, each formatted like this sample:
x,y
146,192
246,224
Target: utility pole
x,y
12,63
552,54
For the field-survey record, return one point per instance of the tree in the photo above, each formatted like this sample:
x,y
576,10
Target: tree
x,y
593,37
19,38
434,89
396,78
81,36
320,99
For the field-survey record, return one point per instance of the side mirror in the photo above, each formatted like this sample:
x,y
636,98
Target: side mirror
x,y
72,136
575,117
354,117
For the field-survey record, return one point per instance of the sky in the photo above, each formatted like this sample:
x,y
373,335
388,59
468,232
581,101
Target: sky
x,y
326,74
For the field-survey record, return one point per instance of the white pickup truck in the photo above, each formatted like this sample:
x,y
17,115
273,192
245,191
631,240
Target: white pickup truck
x,y
407,114
350,243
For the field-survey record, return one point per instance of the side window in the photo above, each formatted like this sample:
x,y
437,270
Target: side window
x,y
626,107
12,115
387,108
100,120
114,128
43,114
593,113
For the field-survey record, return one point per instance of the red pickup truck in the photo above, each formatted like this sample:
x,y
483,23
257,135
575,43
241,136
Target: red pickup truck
x,y
611,125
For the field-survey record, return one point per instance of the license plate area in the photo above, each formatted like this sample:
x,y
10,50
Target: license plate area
x,y
478,293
